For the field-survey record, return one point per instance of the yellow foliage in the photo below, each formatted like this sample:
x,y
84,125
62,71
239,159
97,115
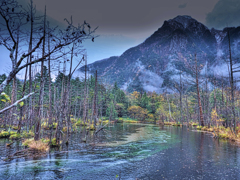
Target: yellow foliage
x,y
105,122
150,116
135,94
65,129
91,127
137,112
215,118
168,123
199,127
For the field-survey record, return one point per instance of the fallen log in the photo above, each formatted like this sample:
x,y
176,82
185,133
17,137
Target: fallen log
x,y
100,129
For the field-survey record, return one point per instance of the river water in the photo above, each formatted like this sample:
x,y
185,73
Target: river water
x,y
130,152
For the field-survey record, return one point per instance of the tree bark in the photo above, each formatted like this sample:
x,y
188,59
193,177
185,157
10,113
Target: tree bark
x,y
232,84
40,102
198,94
95,112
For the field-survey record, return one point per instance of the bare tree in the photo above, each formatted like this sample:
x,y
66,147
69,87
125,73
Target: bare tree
x,y
16,19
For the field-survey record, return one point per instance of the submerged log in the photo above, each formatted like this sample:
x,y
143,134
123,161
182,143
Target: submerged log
x,y
9,145
25,152
100,129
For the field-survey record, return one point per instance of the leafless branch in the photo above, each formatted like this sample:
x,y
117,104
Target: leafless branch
x,y
16,103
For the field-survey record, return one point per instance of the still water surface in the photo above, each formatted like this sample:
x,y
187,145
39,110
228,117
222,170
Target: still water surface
x,y
131,151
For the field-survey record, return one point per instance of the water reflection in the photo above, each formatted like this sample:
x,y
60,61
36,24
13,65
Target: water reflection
x,y
134,150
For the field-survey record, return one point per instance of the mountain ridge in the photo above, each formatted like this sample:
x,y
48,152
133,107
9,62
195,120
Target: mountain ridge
x,y
154,64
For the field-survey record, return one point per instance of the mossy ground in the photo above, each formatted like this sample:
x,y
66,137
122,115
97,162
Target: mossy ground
x,y
15,135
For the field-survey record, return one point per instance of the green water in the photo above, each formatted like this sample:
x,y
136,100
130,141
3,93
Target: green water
x,y
123,143
130,151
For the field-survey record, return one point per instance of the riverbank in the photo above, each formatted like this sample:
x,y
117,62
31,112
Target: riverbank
x,y
218,132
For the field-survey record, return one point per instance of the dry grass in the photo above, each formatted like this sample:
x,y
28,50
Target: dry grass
x,y
39,145
226,133
222,132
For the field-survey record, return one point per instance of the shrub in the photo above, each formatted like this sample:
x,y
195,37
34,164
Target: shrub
x,y
54,125
54,142
4,134
64,129
176,124
7,126
12,132
78,123
45,140
199,127
27,141
223,135
15,127
168,123
105,122
204,128
45,125
73,120
150,117
15,136
38,145
91,127
194,124
25,134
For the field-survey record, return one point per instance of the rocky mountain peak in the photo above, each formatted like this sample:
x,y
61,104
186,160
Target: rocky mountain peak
x,y
155,64
183,20
187,22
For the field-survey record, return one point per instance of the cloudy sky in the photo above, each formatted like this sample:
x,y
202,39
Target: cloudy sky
x,y
126,23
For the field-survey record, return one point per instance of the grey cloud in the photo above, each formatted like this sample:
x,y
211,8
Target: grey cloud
x,y
225,13
181,6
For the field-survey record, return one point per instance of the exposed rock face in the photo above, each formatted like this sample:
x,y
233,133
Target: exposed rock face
x,y
156,63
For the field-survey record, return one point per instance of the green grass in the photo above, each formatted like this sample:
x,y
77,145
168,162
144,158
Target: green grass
x,y
129,120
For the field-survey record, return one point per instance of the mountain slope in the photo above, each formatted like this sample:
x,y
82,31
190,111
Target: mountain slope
x,y
156,63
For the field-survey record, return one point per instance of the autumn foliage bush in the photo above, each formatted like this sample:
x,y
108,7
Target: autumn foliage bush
x,y
136,112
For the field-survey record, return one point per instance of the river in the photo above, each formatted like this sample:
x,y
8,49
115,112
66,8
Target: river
x,y
130,152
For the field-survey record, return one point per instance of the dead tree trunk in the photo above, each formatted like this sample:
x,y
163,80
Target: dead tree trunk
x,y
40,102
187,112
85,95
62,108
50,123
95,111
14,86
198,93
68,93
30,114
232,83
